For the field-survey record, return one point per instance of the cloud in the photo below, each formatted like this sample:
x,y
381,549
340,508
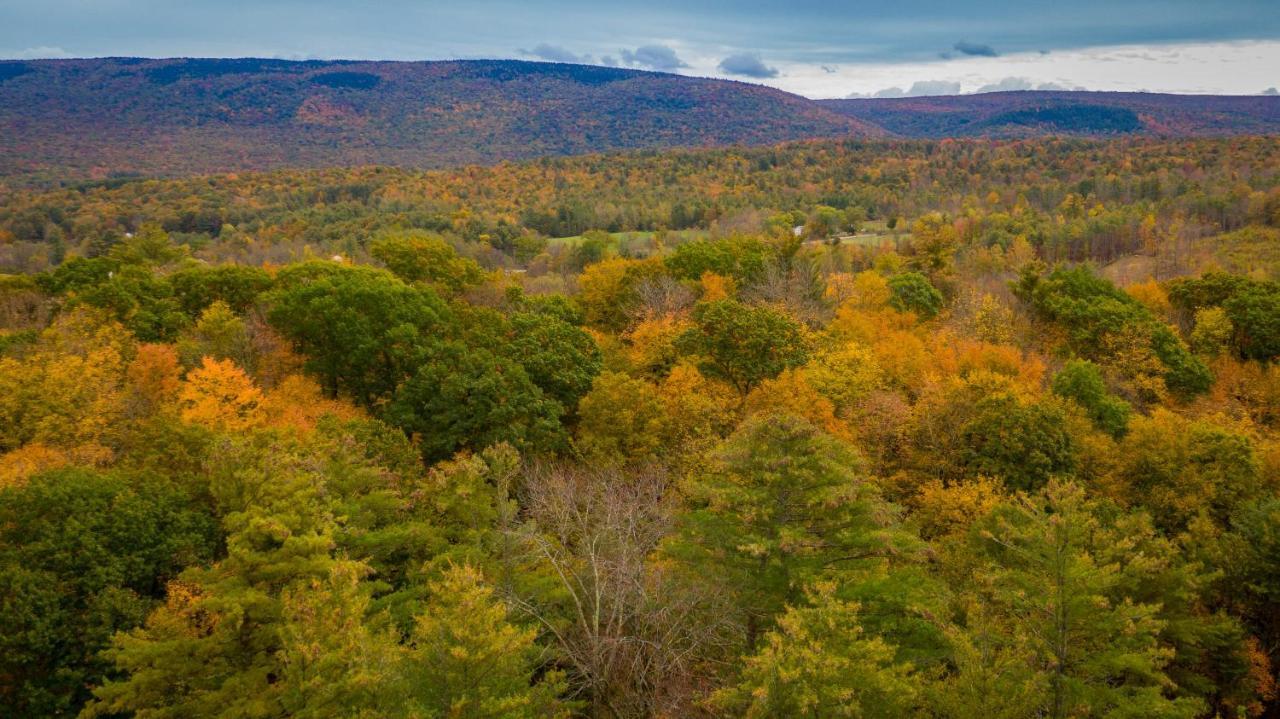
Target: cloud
x,y
1009,84
965,47
1271,92
933,87
747,64
920,88
43,52
555,53
654,57
608,61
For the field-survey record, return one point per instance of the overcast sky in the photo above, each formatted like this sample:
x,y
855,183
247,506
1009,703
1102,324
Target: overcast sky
x,y
813,47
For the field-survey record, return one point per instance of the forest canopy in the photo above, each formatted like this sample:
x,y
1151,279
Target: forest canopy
x,y
889,429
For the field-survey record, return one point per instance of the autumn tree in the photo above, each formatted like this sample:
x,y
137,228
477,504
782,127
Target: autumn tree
x,y
743,345
334,662
229,615
622,419
220,396
423,257
636,640
1180,469
219,333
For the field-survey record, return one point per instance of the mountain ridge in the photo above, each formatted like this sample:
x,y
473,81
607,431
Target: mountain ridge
x,y
1031,113
96,118
185,115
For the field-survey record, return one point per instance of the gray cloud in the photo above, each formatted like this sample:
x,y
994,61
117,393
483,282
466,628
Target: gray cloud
x,y
654,57
920,88
555,53
1060,87
933,87
965,47
608,61
798,31
747,64
1009,84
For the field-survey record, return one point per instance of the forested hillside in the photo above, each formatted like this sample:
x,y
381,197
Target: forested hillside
x,y
1090,114
114,117
181,116
834,428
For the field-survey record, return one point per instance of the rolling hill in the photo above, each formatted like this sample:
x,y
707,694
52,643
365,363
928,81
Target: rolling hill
x,y
95,117
1033,114
98,118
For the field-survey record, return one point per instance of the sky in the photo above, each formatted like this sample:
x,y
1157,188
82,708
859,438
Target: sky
x,y
816,48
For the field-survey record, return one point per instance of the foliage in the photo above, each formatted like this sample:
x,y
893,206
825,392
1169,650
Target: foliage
x,y
1024,444
1081,381
912,292
743,345
462,397
420,257
1093,313
780,506
1096,653
470,661
679,464
622,419
818,663
218,395
84,554
362,330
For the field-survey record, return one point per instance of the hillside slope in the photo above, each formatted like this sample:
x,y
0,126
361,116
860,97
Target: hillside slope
x,y
176,116
1033,114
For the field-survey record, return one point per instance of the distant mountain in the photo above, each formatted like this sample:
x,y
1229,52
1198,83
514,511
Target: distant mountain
x,y
178,116
1033,114
132,116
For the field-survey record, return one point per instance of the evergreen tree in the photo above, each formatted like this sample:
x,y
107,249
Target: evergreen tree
x,y
214,648
468,660
1056,593
782,504
820,663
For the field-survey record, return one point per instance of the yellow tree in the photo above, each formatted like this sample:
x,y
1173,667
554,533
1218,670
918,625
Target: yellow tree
x,y
219,395
622,419
67,391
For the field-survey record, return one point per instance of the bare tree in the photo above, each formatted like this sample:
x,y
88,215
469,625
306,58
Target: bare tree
x,y
634,639
661,295
797,288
